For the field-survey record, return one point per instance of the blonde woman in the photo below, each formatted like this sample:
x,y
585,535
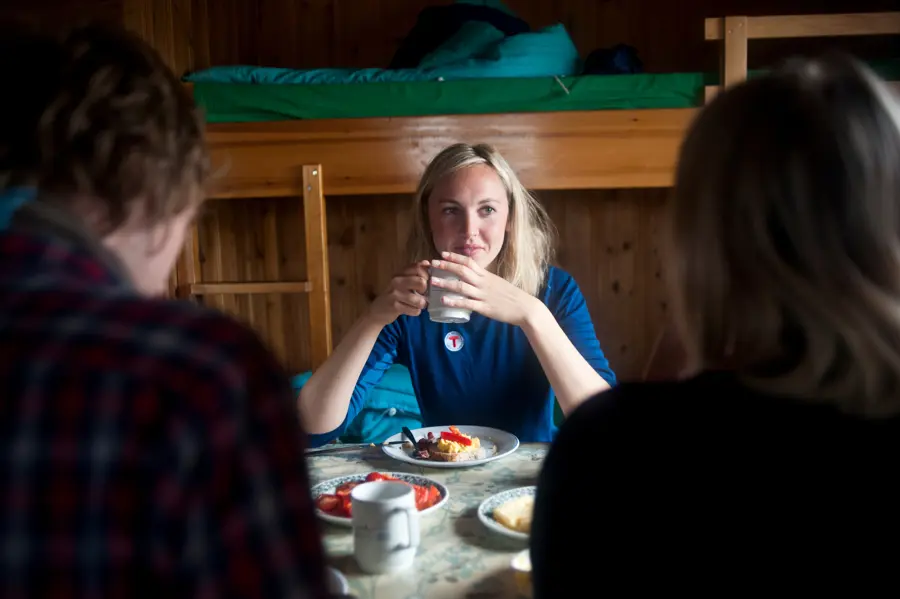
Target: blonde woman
x,y
530,336
776,452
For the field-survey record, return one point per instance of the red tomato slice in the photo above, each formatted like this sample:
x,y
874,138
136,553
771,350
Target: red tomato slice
x,y
344,489
433,495
328,503
457,438
374,476
347,507
421,497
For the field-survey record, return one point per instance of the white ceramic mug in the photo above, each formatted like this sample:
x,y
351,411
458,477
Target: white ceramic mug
x,y
437,311
385,526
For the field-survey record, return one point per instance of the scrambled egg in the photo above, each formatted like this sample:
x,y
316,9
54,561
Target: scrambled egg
x,y
446,446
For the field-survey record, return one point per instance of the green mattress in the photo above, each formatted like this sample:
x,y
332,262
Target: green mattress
x,y
240,102
237,102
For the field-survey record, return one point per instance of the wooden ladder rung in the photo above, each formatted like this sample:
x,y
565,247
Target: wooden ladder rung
x,y
250,287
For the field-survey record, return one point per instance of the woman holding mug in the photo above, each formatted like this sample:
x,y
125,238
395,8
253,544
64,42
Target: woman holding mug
x,y
529,337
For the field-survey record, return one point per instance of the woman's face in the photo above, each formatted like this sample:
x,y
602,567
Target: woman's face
x,y
468,211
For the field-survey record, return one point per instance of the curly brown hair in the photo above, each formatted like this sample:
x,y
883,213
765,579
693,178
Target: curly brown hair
x,y
99,124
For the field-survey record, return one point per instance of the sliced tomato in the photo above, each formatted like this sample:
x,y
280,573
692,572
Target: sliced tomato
x,y
347,507
454,430
375,476
344,489
328,503
421,497
433,495
457,438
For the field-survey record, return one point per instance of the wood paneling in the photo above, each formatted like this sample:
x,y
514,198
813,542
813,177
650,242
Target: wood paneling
x,y
364,156
194,34
52,15
668,36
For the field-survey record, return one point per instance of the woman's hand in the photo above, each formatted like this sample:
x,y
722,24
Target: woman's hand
x,y
484,292
404,295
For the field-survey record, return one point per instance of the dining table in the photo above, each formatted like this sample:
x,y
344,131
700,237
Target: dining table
x,y
458,556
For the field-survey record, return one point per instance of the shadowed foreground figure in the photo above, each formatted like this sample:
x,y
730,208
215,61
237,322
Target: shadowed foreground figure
x,y
149,448
772,465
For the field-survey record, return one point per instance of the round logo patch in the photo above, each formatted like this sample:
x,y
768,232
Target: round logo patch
x,y
453,341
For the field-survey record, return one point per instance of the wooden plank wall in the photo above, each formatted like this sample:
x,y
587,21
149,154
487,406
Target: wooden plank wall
x,y
610,239
363,33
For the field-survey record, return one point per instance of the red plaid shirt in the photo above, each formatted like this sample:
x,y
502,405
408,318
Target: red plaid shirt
x,y
150,448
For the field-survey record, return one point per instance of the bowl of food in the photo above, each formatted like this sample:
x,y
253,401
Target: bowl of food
x,y
332,497
509,513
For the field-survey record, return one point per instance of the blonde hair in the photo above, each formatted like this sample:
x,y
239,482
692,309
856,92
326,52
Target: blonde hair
x,y
785,236
528,245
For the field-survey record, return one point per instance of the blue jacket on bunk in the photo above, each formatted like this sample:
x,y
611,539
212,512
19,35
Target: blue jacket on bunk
x,y
483,372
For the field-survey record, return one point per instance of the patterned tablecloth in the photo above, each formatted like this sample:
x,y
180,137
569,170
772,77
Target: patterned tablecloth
x,y
458,557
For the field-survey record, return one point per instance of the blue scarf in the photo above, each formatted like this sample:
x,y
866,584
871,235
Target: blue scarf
x,y
11,200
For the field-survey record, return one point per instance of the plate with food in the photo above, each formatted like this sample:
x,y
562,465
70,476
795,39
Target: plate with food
x,y
452,446
332,497
509,513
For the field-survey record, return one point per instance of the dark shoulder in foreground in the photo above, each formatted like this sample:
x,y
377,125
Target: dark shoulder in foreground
x,y
706,403
685,479
205,348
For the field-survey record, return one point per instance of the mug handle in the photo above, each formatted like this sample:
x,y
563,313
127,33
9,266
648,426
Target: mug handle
x,y
412,521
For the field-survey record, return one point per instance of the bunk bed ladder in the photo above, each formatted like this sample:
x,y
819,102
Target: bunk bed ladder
x,y
190,286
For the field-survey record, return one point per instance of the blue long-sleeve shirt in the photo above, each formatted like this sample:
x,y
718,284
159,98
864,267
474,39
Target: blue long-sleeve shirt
x,y
483,372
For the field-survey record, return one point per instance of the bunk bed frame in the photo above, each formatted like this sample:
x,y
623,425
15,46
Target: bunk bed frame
x,y
552,150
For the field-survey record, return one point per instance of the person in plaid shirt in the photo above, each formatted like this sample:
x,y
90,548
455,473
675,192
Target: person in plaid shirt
x,y
150,447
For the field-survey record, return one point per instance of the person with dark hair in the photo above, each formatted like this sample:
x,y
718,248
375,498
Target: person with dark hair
x,y
769,465
150,448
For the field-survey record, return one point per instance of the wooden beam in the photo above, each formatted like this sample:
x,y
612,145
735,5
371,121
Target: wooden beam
x,y
272,267
317,264
734,57
188,268
792,26
249,287
554,150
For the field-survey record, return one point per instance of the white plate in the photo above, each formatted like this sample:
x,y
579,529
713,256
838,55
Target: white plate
x,y
328,487
336,582
487,507
503,443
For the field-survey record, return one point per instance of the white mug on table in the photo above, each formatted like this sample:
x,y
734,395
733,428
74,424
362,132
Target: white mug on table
x,y
385,526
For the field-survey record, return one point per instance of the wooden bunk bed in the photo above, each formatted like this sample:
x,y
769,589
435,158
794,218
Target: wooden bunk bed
x,y
569,149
